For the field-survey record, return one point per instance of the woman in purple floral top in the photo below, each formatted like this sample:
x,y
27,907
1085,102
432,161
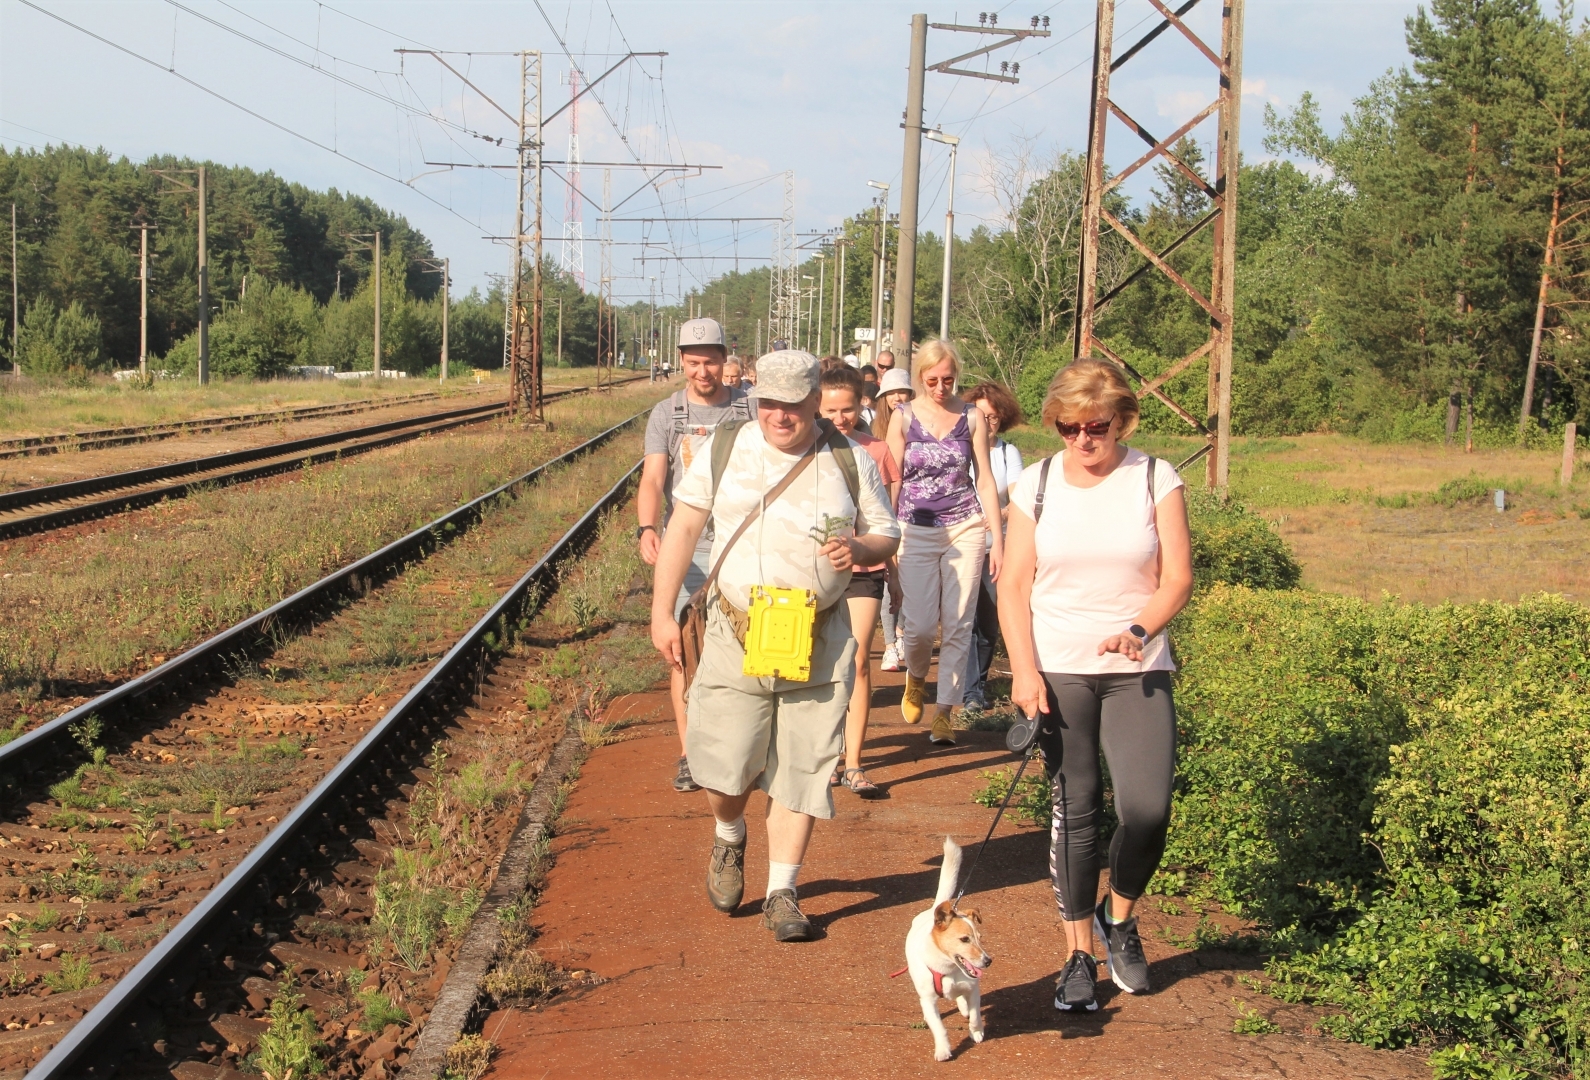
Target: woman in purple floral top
x,y
938,440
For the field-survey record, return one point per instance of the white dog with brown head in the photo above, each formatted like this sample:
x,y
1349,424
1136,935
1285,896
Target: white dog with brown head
x,y
944,954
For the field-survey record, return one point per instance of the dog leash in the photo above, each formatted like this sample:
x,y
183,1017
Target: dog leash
x,y
1025,757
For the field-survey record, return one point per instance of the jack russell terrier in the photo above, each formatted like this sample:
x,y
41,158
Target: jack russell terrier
x,y
944,954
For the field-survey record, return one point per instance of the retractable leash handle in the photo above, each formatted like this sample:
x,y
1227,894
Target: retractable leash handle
x,y
1026,756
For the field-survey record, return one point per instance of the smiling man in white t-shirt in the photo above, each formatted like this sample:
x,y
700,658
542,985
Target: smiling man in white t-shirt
x,y
777,734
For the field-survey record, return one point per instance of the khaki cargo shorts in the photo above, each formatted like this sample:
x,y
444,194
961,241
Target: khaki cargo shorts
x,y
781,736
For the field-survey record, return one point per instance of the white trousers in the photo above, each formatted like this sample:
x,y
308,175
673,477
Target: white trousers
x,y
940,572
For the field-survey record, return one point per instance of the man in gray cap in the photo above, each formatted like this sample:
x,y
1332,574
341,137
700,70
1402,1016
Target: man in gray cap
x,y
779,734
679,426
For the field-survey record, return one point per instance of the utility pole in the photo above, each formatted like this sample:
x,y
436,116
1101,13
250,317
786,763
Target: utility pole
x,y
822,275
143,297
905,268
954,144
375,247
204,259
16,307
560,331
440,266
910,180
880,244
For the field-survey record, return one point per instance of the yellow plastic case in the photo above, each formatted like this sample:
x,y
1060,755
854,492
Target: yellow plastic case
x,y
779,641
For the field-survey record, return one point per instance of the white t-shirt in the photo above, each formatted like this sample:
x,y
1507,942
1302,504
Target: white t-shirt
x,y
1098,564
779,549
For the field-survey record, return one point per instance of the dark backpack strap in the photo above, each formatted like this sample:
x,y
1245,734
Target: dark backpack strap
x,y
1153,503
1043,484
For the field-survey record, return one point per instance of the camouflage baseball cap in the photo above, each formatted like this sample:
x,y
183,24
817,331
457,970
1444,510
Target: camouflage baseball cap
x,y
789,376
700,333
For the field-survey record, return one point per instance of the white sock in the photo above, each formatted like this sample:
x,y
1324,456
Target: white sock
x,y
731,832
782,875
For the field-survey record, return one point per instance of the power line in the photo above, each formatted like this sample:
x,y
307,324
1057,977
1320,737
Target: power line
x,y
245,109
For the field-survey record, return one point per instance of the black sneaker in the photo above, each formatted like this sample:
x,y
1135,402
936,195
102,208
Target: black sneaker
x,y
1075,990
782,915
1123,951
726,874
683,781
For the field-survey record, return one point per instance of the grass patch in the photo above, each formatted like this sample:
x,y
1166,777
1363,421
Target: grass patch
x,y
75,973
1252,1022
290,1047
469,1057
98,605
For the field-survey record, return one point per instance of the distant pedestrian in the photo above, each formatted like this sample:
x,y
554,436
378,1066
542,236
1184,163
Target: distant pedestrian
x,y
680,425
732,373
884,363
1001,412
778,734
1099,561
894,392
841,407
946,520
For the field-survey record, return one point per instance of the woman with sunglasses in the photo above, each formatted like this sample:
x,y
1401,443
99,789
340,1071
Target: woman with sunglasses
x,y
947,521
1098,562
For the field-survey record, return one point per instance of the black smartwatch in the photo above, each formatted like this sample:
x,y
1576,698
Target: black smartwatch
x,y
641,531
1138,632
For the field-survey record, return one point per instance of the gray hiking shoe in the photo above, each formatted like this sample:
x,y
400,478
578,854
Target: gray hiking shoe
x,y
1123,951
683,781
782,915
1075,991
726,875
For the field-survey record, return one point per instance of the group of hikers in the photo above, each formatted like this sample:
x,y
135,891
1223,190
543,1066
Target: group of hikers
x,y
816,497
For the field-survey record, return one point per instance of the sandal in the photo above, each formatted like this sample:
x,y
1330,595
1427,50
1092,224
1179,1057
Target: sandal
x,y
856,780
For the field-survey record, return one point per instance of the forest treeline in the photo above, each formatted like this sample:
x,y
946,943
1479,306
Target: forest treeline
x,y
1390,276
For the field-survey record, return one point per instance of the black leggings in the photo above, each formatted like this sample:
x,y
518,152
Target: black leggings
x,y
1133,717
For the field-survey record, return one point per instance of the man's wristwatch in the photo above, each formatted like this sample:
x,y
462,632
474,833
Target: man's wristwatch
x,y
641,530
1138,632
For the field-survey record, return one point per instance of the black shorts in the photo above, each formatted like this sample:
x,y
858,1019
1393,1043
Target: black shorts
x,y
866,585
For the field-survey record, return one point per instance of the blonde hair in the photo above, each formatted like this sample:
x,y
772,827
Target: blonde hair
x,y
1086,388
931,355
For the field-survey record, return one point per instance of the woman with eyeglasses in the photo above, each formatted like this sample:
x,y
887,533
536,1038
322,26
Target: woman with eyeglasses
x,y
946,521
1098,562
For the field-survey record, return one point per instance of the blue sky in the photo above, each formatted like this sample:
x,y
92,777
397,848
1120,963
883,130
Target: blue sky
x,y
756,88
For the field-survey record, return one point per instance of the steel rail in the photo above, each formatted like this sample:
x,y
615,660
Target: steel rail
x,y
47,746
277,457
94,1045
109,482
99,438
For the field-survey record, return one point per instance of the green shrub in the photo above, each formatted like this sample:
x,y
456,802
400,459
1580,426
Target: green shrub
x,y
1402,795
1234,546
1281,743
1479,932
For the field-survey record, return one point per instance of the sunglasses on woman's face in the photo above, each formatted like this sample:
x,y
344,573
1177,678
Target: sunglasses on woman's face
x,y
1096,429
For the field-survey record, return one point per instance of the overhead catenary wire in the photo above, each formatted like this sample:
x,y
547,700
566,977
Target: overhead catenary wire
x,y
245,109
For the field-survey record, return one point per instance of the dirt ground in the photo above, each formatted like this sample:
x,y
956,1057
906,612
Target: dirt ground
x,y
688,991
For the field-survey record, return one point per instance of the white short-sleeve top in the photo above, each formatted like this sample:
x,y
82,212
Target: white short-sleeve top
x,y
1098,564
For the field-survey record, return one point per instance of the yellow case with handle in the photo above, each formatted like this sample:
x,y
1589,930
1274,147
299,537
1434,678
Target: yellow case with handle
x,y
779,641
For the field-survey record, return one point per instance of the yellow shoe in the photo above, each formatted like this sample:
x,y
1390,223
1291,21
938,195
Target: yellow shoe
x,y
943,733
911,703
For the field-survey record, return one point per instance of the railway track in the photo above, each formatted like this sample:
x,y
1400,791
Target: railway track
x,y
101,438
53,506
161,903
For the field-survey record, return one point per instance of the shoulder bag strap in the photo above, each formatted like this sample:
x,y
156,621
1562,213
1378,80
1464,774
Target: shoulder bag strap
x,y
767,500
1043,484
